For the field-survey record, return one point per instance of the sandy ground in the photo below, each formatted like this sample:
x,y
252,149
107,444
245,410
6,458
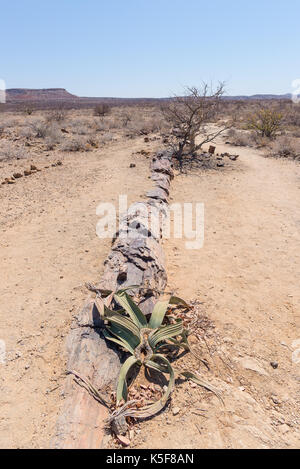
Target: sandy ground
x,y
245,278
48,250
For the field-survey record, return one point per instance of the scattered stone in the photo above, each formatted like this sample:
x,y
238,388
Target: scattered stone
x,y
252,365
33,167
59,163
146,139
17,175
175,410
132,165
27,172
284,428
124,440
275,400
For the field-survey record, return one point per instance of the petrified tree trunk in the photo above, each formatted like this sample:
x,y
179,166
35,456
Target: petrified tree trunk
x,y
136,258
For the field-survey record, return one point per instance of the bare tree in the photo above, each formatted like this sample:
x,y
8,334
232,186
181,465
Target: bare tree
x,y
189,115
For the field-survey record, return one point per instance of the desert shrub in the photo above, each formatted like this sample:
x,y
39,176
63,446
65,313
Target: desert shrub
x,y
75,144
102,110
80,126
56,115
125,119
27,132
265,122
243,138
28,111
39,128
92,141
9,151
285,147
189,115
100,125
106,138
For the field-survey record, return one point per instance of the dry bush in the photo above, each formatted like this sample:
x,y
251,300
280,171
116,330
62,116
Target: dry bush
x,y
8,151
28,111
106,138
81,126
40,128
56,115
75,144
100,125
244,138
265,122
102,110
285,147
189,115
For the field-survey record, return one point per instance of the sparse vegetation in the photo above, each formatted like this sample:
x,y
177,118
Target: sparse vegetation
x,y
75,144
147,342
188,117
265,122
102,110
285,147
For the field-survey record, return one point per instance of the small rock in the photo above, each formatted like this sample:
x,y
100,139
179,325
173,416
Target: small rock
x,y
17,175
175,410
274,365
33,167
132,165
252,365
27,172
124,440
284,428
275,400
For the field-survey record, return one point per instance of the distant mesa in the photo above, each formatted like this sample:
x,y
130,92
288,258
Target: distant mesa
x,y
15,95
49,98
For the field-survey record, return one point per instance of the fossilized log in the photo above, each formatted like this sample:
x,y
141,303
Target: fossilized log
x,y
136,258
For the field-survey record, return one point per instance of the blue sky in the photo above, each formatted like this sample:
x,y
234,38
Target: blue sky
x,y
136,48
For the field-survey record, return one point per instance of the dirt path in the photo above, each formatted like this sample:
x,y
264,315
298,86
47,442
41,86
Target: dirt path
x,y
247,278
48,250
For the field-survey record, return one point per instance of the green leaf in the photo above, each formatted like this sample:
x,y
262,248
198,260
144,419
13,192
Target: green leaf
x,y
124,322
165,332
131,308
152,409
175,300
191,376
158,314
123,343
122,385
123,334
